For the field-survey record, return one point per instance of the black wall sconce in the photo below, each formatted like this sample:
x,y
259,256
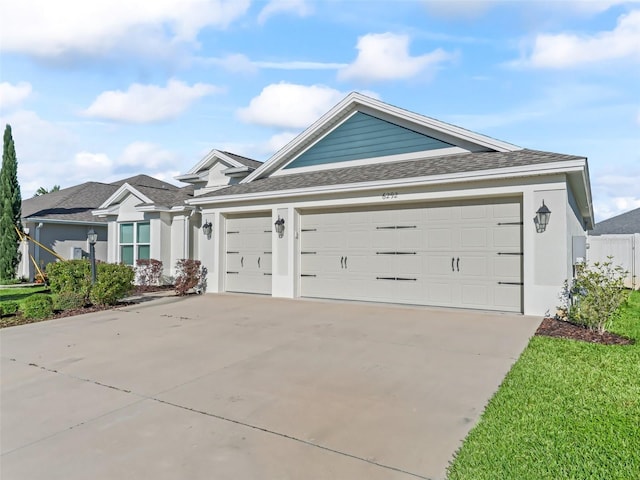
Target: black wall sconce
x,y
207,229
279,227
541,219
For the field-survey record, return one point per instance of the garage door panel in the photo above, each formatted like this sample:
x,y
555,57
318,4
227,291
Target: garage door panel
x,y
248,258
448,255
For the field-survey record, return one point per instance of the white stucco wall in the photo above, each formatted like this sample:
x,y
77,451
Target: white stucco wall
x,y
546,259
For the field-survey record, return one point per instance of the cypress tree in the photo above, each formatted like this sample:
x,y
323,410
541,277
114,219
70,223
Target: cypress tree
x,y
10,209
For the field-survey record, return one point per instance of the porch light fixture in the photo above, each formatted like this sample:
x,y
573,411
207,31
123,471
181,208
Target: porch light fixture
x,y
207,229
92,238
541,219
279,227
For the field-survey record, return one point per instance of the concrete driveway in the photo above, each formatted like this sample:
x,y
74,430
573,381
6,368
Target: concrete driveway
x,y
249,387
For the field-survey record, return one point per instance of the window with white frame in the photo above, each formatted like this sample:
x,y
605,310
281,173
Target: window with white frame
x,y
135,240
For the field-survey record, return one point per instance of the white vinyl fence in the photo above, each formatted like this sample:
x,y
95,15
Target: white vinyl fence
x,y
625,250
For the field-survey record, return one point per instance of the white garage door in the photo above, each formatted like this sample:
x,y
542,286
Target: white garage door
x,y
248,253
458,255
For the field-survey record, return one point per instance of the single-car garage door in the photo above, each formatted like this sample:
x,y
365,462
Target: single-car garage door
x,y
451,254
248,253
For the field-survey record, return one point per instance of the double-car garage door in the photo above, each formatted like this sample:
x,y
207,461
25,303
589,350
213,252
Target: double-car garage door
x,y
451,254
459,255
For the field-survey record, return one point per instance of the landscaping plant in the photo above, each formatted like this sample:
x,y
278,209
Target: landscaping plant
x,y
113,282
10,210
8,307
148,271
68,300
595,295
70,276
38,306
190,274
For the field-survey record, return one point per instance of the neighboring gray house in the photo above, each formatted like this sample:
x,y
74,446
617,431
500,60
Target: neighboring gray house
x,y
618,237
61,220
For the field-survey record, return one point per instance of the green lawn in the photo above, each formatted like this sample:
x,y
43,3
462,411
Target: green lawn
x,y
566,410
20,294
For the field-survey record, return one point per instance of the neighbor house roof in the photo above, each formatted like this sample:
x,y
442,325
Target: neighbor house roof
x,y
75,204
244,160
624,223
432,166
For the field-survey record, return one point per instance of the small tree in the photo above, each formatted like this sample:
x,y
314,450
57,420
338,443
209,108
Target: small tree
x,y
594,296
148,271
10,209
190,274
43,191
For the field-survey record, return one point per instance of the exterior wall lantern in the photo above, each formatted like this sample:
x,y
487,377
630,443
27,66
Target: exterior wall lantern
x,y
207,229
279,227
92,238
541,219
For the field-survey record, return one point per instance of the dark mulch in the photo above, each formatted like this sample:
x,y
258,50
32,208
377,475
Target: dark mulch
x,y
551,327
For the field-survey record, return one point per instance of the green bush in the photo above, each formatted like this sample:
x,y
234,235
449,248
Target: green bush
x,y
38,306
68,300
8,307
595,295
113,282
70,276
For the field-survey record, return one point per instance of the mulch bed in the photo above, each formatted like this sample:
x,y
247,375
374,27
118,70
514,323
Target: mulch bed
x,y
12,321
551,327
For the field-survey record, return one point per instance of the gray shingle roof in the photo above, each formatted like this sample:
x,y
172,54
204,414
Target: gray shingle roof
x,y
249,162
75,203
71,204
628,222
449,164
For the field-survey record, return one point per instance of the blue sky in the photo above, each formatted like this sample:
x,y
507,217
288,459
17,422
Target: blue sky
x,y
102,90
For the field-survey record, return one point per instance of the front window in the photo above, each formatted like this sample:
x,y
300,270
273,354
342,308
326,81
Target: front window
x,y
135,239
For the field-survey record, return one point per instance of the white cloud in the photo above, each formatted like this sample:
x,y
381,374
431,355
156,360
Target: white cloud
x,y
12,96
99,164
148,103
566,50
274,7
49,29
616,193
147,156
289,105
240,63
385,56
279,140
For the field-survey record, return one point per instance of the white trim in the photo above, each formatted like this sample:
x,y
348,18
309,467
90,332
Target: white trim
x,y
165,209
441,152
208,161
67,222
118,195
356,101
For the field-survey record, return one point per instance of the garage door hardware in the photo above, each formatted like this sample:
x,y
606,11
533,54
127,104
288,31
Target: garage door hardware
x,y
234,273
510,253
308,253
510,283
267,253
396,227
267,231
397,278
229,253
396,253
229,233
343,262
242,262
266,274
258,262
456,262
510,223
308,230
307,275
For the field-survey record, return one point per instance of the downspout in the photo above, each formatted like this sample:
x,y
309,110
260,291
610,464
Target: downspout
x,y
36,252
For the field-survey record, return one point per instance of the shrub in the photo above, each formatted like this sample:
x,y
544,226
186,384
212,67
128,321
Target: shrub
x,y
594,296
189,275
70,276
68,300
8,307
148,271
38,306
113,282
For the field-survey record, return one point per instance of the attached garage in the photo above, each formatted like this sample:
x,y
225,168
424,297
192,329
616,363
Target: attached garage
x,y
248,253
446,254
381,204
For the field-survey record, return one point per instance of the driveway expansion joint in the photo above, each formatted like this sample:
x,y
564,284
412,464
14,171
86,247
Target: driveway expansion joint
x,y
222,418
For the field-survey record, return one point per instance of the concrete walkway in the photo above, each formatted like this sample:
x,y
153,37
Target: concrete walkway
x,y
249,387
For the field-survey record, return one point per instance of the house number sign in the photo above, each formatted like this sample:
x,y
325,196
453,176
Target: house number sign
x,y
389,195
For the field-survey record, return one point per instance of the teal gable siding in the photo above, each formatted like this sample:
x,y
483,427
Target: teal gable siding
x,y
364,136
